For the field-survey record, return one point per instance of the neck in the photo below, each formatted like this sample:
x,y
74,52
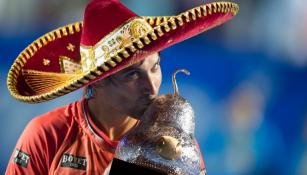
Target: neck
x,y
111,121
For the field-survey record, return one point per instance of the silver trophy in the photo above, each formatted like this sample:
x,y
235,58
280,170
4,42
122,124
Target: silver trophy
x,y
164,140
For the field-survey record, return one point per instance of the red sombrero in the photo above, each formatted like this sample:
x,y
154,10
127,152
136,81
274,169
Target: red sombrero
x,y
110,39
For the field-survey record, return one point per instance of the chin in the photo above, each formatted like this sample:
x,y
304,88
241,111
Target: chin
x,y
137,114
137,110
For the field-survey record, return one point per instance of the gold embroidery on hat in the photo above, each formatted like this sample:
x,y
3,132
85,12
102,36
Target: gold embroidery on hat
x,y
101,53
88,59
46,62
124,39
69,66
41,82
70,47
138,29
106,51
92,58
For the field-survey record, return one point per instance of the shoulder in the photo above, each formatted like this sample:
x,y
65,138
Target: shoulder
x,y
58,119
41,139
50,129
49,126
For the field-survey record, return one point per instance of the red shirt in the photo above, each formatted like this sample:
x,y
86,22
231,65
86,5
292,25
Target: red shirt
x,y
63,141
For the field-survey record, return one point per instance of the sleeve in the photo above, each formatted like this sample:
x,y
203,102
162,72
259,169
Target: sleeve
x,y
37,145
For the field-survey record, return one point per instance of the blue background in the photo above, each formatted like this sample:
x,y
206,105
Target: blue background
x,y
247,84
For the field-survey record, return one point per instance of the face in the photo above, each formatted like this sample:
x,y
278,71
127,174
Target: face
x,y
131,90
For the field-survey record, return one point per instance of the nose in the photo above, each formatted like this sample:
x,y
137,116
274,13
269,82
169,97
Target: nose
x,y
149,85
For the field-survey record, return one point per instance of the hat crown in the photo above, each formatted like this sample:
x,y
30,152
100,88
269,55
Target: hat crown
x,y
102,17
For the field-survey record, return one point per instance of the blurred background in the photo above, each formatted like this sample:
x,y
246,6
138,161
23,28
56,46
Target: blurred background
x,y
247,84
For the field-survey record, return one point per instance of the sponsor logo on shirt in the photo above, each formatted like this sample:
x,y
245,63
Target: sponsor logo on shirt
x,y
72,161
21,158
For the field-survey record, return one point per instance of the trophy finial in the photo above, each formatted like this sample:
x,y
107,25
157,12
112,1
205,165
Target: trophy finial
x,y
176,91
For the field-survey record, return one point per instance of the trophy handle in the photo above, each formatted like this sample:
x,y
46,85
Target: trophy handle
x,y
176,91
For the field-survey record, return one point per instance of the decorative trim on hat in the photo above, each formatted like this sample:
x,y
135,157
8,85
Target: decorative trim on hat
x,y
107,47
69,66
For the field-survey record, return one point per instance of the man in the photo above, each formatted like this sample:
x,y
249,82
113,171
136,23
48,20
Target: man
x,y
112,108
118,63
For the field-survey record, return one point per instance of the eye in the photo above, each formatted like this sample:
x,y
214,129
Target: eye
x,y
155,68
132,74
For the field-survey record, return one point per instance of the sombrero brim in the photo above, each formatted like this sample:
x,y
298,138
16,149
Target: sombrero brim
x,y
36,75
